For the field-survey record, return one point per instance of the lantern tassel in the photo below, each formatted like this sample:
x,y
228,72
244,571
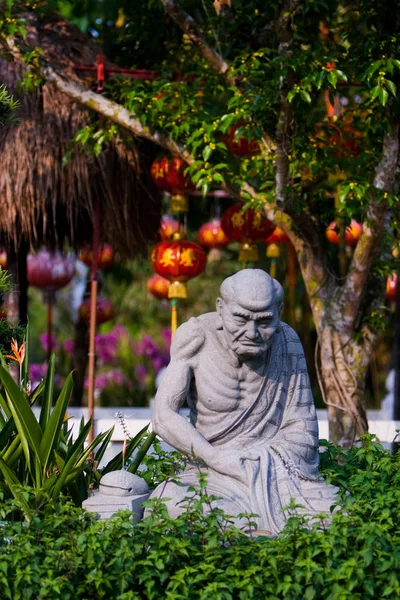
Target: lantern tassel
x,y
174,316
177,289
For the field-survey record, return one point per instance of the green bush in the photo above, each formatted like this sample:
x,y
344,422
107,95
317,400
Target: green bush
x,y
67,554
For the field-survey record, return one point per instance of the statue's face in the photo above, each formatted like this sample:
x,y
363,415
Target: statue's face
x,y
248,333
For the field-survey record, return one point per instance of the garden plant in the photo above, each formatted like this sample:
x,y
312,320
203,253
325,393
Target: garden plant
x,y
65,553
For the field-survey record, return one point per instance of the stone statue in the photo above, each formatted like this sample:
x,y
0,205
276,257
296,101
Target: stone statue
x,y
118,490
253,427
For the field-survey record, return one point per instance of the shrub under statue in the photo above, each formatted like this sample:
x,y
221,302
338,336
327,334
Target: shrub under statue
x,y
253,427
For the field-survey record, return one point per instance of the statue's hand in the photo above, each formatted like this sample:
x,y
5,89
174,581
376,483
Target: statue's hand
x,y
232,462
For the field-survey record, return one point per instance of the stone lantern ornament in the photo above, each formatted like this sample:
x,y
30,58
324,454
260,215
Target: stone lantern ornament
x,y
50,271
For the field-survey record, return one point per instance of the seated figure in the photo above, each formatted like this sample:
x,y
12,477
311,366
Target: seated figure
x,y
253,427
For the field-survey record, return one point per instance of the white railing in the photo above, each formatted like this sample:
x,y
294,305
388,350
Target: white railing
x,y
136,418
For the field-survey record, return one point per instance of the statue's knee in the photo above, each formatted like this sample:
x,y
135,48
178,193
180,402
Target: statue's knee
x,y
173,493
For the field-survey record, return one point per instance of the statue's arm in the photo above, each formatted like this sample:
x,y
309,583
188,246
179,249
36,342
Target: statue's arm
x,y
173,391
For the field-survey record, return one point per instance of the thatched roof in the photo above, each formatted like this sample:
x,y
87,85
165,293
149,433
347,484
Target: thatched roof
x,y
45,202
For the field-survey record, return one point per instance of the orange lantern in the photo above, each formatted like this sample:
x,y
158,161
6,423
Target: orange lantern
x,y
391,287
178,261
352,233
169,175
168,227
248,227
104,310
105,256
240,145
158,286
3,258
211,235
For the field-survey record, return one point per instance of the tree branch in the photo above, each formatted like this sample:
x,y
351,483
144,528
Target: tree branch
x,y
373,228
190,27
311,261
108,108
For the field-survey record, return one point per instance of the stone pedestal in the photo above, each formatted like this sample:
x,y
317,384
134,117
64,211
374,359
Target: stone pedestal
x,y
107,506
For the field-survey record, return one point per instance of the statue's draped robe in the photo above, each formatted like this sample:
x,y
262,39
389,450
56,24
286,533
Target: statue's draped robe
x,y
274,417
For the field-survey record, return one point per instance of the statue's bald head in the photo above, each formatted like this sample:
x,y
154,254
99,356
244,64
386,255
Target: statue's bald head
x,y
253,289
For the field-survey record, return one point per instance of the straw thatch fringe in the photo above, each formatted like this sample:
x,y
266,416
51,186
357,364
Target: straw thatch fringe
x,y
44,202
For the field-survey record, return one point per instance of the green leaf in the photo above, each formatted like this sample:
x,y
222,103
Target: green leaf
x,y
391,86
14,486
320,79
305,96
343,193
116,463
25,421
103,446
51,433
332,78
340,75
375,91
207,152
133,467
48,394
383,96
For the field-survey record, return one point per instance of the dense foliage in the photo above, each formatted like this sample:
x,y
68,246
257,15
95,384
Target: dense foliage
x,y
64,553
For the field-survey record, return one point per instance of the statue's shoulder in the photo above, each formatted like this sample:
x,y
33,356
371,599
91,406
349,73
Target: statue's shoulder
x,y
190,336
292,340
294,348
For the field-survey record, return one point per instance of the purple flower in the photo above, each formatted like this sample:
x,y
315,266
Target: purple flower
x,y
69,346
37,372
116,376
44,339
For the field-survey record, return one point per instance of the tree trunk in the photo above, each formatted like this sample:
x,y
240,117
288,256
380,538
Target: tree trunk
x,y
342,386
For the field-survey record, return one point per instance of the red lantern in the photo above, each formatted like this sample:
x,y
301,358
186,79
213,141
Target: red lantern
x,y
105,256
178,261
50,270
211,235
104,310
278,236
343,138
391,287
352,233
168,227
248,227
158,286
170,176
240,145
3,258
